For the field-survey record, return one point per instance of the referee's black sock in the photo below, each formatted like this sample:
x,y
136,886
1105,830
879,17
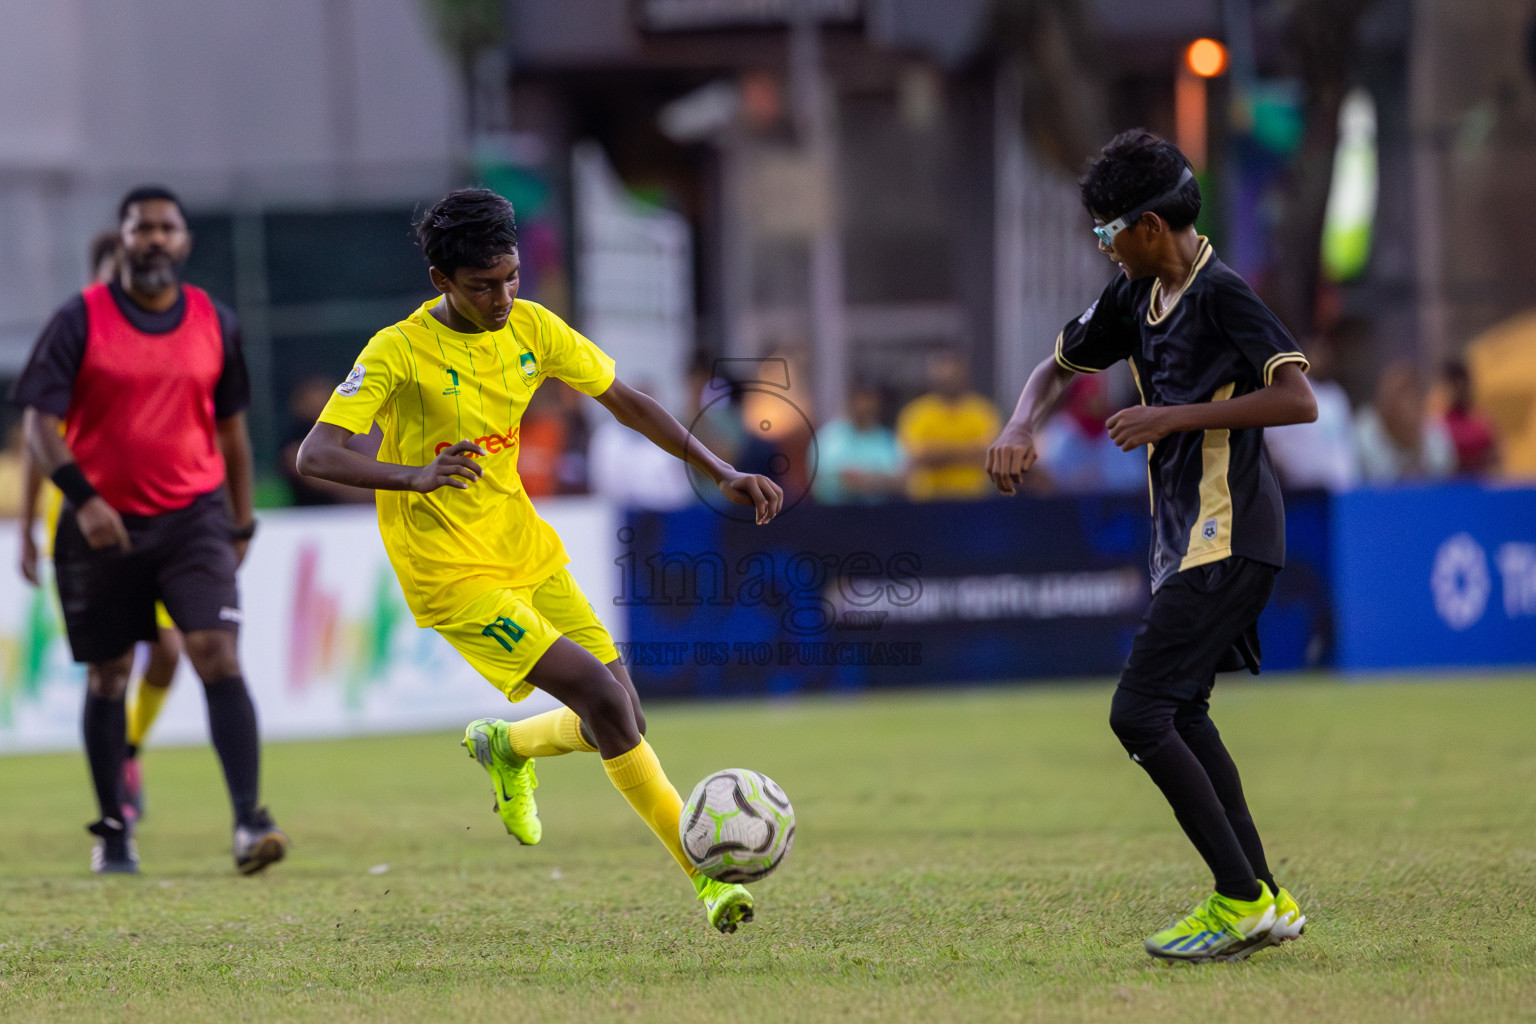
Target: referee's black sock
x,y
1204,741
105,726
232,724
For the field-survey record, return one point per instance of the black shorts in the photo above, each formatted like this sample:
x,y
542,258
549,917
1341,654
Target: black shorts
x,y
183,558
1201,621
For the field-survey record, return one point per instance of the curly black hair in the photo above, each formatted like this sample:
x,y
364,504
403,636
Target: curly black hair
x,y
1135,167
470,227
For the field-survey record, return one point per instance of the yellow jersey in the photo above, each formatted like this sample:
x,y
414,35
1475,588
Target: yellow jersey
x,y
430,387
932,420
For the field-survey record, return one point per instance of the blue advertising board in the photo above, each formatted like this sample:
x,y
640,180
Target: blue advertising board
x,y
1428,576
844,598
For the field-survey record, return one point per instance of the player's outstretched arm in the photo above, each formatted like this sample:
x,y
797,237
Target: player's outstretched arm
x,y
640,413
326,455
1287,399
1013,453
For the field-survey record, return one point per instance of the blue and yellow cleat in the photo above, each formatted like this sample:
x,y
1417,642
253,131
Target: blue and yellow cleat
x,y
1218,929
512,778
725,906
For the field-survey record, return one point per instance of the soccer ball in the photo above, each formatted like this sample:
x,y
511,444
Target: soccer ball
x,y
737,826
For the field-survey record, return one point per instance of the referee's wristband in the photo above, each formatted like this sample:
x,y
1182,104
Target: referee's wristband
x,y
69,479
245,532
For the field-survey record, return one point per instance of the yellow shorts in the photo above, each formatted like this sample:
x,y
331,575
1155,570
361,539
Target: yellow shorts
x,y
504,633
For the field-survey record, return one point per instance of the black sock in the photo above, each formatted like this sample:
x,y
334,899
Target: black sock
x,y
1188,789
1145,727
232,723
105,725
1204,741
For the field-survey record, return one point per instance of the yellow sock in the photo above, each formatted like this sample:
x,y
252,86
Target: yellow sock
x,y
144,703
637,774
549,734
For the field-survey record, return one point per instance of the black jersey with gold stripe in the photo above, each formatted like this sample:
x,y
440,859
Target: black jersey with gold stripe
x,y
1214,492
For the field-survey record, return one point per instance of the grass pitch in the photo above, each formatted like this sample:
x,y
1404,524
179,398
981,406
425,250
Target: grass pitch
x,y
971,856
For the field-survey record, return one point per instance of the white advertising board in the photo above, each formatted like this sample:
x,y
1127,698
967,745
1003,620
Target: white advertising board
x,y
328,646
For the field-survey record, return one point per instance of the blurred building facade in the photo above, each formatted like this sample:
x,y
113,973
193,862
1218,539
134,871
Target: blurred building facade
x,y
857,179
1474,139
852,183
861,180
300,134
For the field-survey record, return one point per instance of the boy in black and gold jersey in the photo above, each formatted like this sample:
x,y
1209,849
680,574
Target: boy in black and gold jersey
x,y
1213,367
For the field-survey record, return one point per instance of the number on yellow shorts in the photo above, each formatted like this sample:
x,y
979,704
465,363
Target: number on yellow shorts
x,y
513,632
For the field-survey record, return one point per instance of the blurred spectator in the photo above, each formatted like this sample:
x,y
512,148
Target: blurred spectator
x,y
1075,450
773,409
540,443
858,459
716,423
1322,454
776,417
628,468
571,468
1477,447
945,434
305,404
1397,440
13,470
103,255
20,480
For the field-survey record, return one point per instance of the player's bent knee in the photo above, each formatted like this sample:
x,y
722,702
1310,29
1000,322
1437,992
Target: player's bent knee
x,y
605,702
1139,723
167,645
213,653
109,679
605,710
113,686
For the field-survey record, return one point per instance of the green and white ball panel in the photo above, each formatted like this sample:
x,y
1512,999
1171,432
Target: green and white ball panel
x,y
737,825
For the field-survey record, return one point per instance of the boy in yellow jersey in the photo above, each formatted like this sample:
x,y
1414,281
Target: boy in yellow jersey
x,y
449,385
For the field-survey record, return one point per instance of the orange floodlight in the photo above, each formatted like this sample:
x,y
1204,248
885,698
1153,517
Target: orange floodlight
x,y
1206,58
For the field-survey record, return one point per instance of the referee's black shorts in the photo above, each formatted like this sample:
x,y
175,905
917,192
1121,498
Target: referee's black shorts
x,y
1201,621
184,559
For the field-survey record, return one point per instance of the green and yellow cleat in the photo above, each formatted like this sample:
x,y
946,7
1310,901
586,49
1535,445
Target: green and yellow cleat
x,y
1218,929
512,778
726,906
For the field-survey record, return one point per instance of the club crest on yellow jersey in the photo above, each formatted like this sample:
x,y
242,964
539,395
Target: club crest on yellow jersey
x,y
529,364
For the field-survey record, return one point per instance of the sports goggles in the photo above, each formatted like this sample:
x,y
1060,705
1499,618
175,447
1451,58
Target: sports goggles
x,y
1107,232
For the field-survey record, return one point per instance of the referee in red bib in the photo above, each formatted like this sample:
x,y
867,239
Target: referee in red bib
x,y
135,398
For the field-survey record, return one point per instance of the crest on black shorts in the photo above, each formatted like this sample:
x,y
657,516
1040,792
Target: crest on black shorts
x,y
1208,531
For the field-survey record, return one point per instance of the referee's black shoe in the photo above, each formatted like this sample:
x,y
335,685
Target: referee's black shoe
x,y
258,842
115,852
